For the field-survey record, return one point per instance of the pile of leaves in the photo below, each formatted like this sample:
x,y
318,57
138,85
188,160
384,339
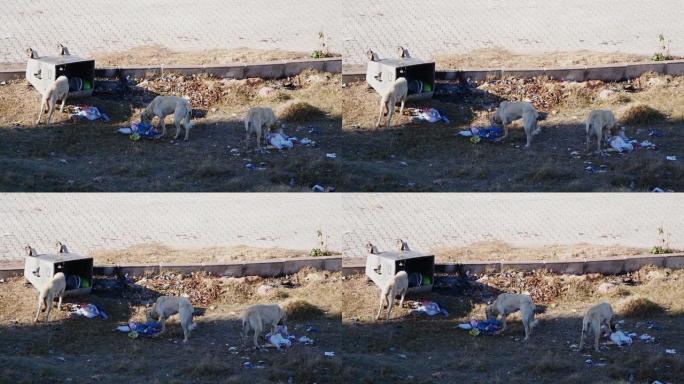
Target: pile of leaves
x,y
200,287
543,92
203,90
541,285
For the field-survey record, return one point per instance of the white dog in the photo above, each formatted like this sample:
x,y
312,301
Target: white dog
x,y
258,316
30,251
54,288
395,93
163,106
599,123
167,306
59,90
598,315
509,111
371,248
258,119
402,245
398,285
508,303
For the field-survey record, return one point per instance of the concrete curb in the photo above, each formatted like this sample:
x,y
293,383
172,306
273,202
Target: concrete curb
x,y
612,72
612,266
267,268
269,70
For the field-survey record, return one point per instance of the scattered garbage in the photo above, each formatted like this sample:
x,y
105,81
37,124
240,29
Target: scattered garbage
x,y
656,133
671,351
646,337
87,310
429,308
140,130
486,327
591,169
620,338
319,188
279,140
279,341
647,144
306,141
671,158
430,115
478,133
621,144
658,189
306,340
331,155
329,354
89,112
249,364
134,329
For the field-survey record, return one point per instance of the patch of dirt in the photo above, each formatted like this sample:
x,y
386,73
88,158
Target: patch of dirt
x,y
501,251
412,346
82,349
502,58
159,253
420,156
92,156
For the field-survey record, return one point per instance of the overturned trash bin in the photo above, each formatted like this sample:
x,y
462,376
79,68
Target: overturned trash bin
x,y
419,74
420,268
43,71
77,269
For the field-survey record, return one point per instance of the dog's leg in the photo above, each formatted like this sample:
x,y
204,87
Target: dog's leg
x,y
40,113
40,305
64,98
401,303
390,304
48,302
599,137
51,109
162,321
390,109
597,335
382,303
582,336
257,332
526,325
503,322
163,124
258,137
505,128
382,109
59,303
176,122
401,110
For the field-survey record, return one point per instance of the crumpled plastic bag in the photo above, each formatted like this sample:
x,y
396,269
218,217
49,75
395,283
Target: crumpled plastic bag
x,y
621,143
620,338
279,140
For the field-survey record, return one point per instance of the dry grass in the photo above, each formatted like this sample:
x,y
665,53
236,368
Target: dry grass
x,y
301,310
297,111
158,253
640,114
89,350
501,251
437,350
91,156
439,160
502,58
639,307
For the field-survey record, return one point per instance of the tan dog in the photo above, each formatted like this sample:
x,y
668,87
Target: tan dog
x,y
167,306
163,106
599,123
258,316
509,111
508,303
59,90
598,315
394,94
258,119
398,285
47,294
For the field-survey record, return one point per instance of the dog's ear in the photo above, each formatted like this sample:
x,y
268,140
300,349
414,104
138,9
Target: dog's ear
x,y
371,55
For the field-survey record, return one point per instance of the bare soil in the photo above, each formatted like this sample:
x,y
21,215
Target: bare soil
x,y
501,251
81,350
92,156
502,58
159,253
154,55
415,348
422,156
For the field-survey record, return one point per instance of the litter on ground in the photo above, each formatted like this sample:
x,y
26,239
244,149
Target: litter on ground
x,y
87,310
87,112
429,308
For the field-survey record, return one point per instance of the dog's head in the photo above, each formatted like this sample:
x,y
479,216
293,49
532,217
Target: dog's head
x,y
146,117
490,312
61,248
495,119
152,315
371,56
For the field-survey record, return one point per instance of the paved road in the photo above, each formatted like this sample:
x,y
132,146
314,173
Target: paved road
x,y
113,221
426,27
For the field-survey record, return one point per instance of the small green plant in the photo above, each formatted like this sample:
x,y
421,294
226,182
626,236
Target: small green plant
x,y
323,52
664,52
317,252
663,243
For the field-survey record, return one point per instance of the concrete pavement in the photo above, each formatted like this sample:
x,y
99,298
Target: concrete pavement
x,y
426,28
427,221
